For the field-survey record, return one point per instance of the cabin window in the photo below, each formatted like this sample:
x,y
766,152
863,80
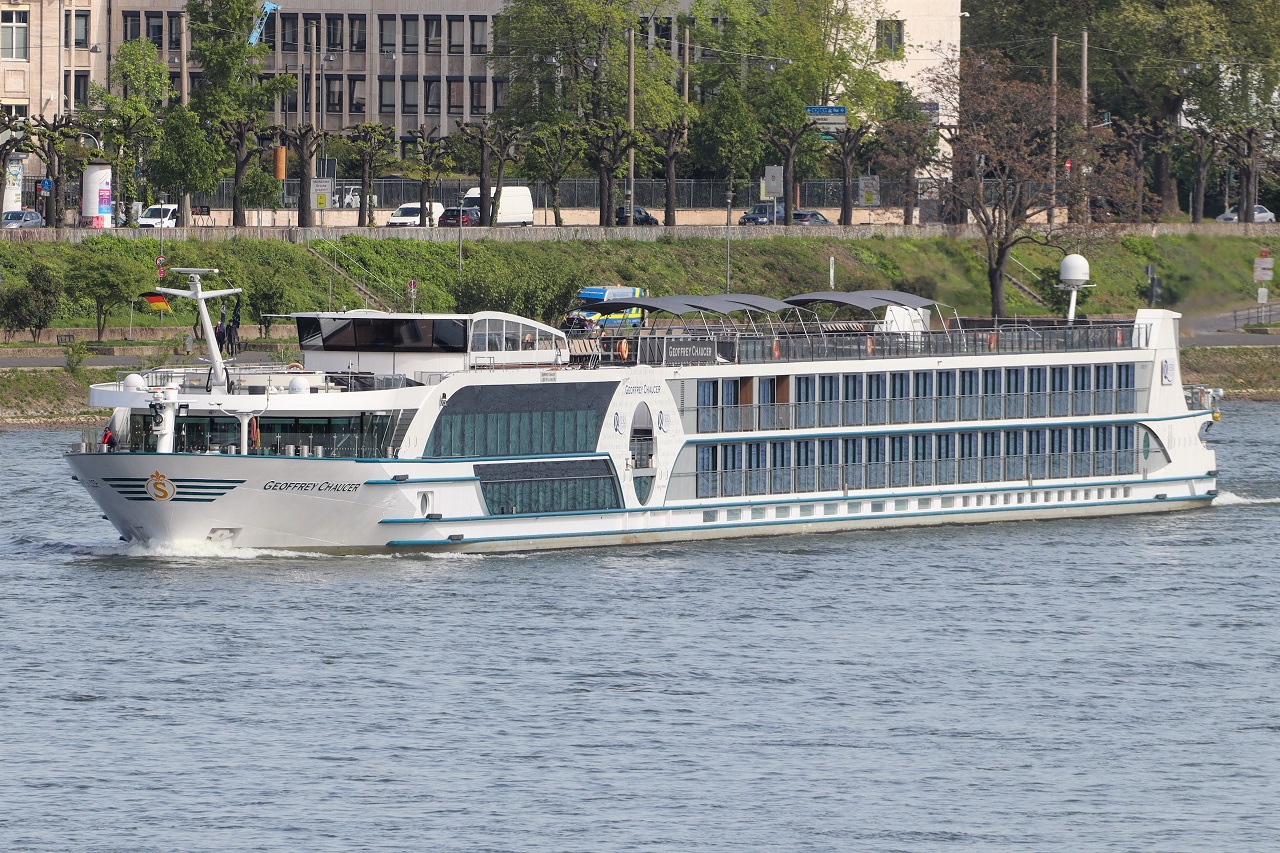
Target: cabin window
x,y
579,485
521,420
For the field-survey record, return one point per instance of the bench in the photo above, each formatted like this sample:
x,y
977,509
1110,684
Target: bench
x,y
64,340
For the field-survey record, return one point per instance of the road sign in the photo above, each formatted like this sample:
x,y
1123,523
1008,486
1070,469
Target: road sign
x,y
1263,275
829,118
773,181
46,185
160,261
321,192
1263,269
413,287
160,272
869,190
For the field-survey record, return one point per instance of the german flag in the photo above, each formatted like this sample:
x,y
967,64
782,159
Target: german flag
x,y
157,301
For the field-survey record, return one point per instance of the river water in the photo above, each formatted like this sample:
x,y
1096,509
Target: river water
x,y
1070,685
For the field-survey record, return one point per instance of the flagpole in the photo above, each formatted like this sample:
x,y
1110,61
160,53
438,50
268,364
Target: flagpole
x,y
129,336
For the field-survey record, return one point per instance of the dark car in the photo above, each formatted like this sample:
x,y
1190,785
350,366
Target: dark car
x,y
640,216
763,213
469,216
809,217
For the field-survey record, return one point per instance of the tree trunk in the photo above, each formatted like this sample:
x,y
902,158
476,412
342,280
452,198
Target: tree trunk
x,y
846,187
788,186
366,187
424,203
909,198
486,201
669,173
605,181
995,278
238,217
555,202
306,173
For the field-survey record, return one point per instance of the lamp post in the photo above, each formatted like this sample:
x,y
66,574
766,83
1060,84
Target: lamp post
x,y
462,198
728,222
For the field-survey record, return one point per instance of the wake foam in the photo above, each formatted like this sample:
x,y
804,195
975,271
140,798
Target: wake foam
x,y
1232,499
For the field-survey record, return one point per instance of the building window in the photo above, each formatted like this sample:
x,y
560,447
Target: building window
x,y
333,94
268,33
387,36
81,92
310,31
499,94
155,29
433,95
479,35
386,95
409,97
175,29
477,96
333,32
890,38
409,29
455,97
356,27
433,33
14,110
132,25
77,29
457,34
288,32
355,94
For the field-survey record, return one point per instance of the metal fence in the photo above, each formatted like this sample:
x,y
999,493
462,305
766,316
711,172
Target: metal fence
x,y
580,193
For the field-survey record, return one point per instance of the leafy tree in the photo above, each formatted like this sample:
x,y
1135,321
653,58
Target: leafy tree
x,y
568,58
787,129
999,149
260,189
190,159
372,144
129,112
907,145
432,161
39,299
552,152
725,138
109,277
56,143
233,97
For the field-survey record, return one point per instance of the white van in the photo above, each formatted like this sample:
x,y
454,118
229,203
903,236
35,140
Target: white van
x,y
515,207
407,215
159,216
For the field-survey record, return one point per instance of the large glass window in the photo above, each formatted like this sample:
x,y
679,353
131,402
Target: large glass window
x,y
900,397
899,459
806,402
387,36
921,462
356,26
1125,397
521,420
780,465
708,483
478,100
991,456
386,95
945,447
457,35
1015,392
433,33
853,408
1059,392
132,30
708,405
1082,402
1104,389
969,457
479,35
877,394
876,462
992,394
970,395
333,32
852,462
409,96
155,28
946,395
806,466
432,99
288,32
584,485
757,454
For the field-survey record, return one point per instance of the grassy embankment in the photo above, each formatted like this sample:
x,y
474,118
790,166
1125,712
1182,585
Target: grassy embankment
x,y
538,279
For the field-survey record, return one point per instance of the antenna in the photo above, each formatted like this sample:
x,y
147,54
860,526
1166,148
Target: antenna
x,y
1073,275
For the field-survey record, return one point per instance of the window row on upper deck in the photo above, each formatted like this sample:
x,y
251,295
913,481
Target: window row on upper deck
x,y
918,396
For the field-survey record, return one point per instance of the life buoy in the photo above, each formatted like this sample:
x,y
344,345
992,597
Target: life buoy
x,y
991,341
1119,336
869,346
777,349
623,349
294,366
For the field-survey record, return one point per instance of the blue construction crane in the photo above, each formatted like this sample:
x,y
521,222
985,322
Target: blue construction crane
x,y
267,8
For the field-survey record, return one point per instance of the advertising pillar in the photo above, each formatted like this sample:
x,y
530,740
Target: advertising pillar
x,y
13,183
95,195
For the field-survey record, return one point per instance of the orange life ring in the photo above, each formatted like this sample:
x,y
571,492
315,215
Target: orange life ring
x,y
294,366
991,341
777,349
623,349
1119,336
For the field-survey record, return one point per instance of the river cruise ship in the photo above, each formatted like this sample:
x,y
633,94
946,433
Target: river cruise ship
x,y
721,416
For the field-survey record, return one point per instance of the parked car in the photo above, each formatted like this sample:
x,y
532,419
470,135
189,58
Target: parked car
x,y
451,215
408,215
763,213
159,216
640,216
22,219
1260,214
809,217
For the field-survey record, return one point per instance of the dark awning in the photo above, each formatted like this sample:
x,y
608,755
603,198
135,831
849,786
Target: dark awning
x,y
669,304
865,299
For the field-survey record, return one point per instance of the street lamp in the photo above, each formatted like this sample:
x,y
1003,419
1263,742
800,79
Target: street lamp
x,y
462,198
728,221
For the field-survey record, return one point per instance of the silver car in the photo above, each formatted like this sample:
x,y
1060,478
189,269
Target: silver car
x,y
1260,214
22,219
